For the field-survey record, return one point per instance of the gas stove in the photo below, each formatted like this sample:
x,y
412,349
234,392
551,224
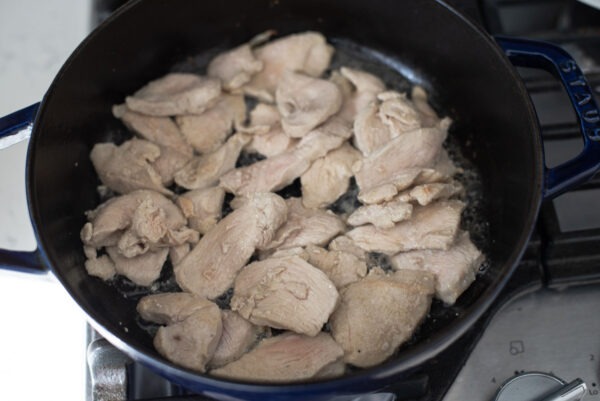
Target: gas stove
x,y
541,339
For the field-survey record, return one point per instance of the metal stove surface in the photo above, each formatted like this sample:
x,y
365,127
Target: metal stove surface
x,y
552,331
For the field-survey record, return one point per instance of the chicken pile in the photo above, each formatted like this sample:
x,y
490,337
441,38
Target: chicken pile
x,y
304,303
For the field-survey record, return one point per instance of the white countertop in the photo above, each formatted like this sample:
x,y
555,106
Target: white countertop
x,y
42,341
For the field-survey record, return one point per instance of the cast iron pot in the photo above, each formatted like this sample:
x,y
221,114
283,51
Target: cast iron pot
x,y
468,73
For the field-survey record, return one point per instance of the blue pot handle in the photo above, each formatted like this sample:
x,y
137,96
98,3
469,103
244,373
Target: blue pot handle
x,y
14,128
546,56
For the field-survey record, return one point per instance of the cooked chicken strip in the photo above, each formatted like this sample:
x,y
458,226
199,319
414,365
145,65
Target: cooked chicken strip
x,y
285,293
262,118
454,269
159,130
429,117
282,253
305,102
277,172
328,177
155,224
204,171
367,87
431,227
192,342
273,143
346,245
234,67
202,207
102,267
398,113
143,269
418,148
239,335
177,253
331,371
306,52
211,267
370,133
342,268
370,328
426,193
284,358
175,94
110,220
305,226
171,307
206,132
128,167
381,216
443,170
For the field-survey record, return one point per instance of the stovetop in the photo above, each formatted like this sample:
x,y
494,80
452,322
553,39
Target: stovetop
x,y
544,322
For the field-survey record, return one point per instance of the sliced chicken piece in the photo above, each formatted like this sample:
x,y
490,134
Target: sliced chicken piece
x,y
367,87
277,172
442,171
207,132
211,267
328,178
268,137
239,335
384,215
155,223
285,293
342,268
234,67
416,149
175,94
128,167
273,143
144,269
282,253
101,267
169,162
454,269
262,119
347,112
306,52
192,342
171,307
285,358
202,207
424,194
305,226
305,102
370,133
383,192
431,227
429,117
160,130
379,313
178,252
109,221
204,171
333,370
398,113
346,245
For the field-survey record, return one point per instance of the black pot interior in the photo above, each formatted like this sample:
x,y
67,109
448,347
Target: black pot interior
x,y
466,74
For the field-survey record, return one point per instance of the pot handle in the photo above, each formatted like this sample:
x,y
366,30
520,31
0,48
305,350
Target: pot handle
x,y
14,128
546,56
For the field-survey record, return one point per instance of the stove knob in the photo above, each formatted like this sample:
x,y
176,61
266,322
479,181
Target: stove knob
x,y
535,386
